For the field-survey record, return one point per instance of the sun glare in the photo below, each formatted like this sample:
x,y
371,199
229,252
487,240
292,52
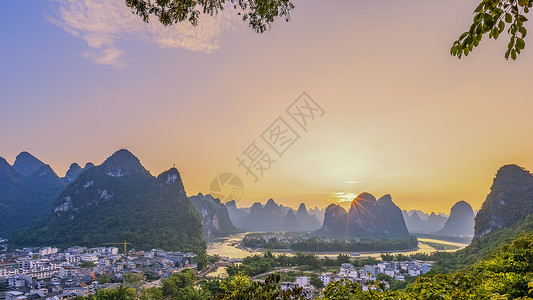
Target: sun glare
x,y
346,197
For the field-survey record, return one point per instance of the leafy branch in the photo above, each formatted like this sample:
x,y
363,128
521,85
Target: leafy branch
x,y
260,14
492,17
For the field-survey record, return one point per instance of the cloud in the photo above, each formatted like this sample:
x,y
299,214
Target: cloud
x,y
101,23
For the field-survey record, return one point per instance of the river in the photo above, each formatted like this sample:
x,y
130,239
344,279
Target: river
x,y
230,247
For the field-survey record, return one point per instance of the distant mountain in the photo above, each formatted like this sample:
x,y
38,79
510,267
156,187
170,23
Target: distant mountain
x,y
435,222
235,214
300,221
510,200
27,164
366,218
75,170
422,215
426,224
460,222
215,217
28,190
272,217
263,218
120,200
318,213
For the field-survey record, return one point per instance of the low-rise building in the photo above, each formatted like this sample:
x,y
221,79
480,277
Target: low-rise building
x,y
303,281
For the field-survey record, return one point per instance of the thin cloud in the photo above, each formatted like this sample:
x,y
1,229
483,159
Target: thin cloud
x,y
101,23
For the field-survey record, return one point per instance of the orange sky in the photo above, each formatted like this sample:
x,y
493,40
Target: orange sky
x,y
402,116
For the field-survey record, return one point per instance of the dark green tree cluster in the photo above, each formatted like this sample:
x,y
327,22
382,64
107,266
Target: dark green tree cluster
x,y
259,14
173,285
446,262
314,244
267,262
122,293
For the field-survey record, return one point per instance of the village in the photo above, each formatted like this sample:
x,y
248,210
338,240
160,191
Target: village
x,y
53,274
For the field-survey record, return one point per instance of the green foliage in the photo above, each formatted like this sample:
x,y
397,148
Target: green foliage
x,y
152,293
316,244
315,281
449,286
104,279
213,258
150,276
492,17
212,285
122,293
172,285
87,264
510,269
193,293
240,288
361,262
201,259
341,290
259,14
387,257
258,264
383,277
133,280
343,258
145,211
463,259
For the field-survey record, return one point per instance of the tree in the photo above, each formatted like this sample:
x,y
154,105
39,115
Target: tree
x,y
260,14
342,289
103,279
387,257
315,281
240,287
383,277
172,285
133,280
491,17
193,293
212,285
201,260
152,293
122,293
213,258
343,258
87,264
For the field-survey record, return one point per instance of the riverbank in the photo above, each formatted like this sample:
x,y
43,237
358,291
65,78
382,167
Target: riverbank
x,y
232,248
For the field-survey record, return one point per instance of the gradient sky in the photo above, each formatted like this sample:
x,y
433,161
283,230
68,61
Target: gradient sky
x,y
81,79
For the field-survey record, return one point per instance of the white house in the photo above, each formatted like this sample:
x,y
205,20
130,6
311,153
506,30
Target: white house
x,y
346,268
325,278
414,272
389,271
303,281
13,295
67,271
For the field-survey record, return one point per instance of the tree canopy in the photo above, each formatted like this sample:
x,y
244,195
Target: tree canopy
x,y
491,17
259,14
